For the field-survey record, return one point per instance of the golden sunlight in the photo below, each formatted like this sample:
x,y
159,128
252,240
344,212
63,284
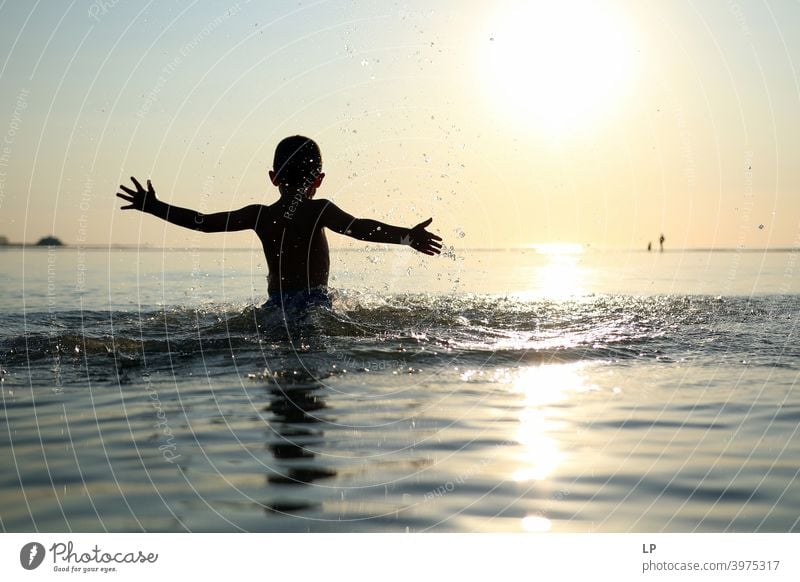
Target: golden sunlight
x,y
542,387
562,274
559,66
557,248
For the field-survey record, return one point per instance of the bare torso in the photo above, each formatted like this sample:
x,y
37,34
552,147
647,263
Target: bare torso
x,y
295,246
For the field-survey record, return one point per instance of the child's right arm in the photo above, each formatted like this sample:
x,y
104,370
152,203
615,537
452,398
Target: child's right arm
x,y
374,231
147,202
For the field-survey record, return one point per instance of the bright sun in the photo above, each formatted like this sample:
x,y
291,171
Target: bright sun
x,y
558,65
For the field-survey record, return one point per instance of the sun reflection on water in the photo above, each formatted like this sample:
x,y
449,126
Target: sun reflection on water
x,y
536,523
562,275
542,387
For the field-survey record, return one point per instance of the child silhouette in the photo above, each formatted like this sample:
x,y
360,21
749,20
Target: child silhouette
x,y
292,229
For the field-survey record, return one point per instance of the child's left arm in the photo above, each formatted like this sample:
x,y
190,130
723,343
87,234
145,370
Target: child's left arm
x,y
374,231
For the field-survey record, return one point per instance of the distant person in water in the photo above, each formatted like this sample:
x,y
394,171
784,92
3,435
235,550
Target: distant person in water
x,y
292,229
661,240
649,247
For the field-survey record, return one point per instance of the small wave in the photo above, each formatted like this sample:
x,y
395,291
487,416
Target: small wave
x,y
418,329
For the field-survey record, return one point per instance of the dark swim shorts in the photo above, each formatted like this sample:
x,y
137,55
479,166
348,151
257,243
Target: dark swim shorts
x,y
299,300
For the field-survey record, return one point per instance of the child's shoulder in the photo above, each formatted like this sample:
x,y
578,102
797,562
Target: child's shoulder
x,y
258,209
323,203
317,205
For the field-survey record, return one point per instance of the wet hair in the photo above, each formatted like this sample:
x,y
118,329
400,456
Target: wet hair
x,y
297,162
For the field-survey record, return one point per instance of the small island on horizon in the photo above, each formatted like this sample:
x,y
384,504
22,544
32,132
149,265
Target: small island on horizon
x,y
49,241
46,241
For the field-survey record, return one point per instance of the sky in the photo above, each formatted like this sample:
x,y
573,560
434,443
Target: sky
x,y
511,123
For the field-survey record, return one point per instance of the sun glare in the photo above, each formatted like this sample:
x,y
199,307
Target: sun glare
x,y
559,66
557,248
558,272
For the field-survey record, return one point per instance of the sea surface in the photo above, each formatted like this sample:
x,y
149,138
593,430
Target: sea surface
x,y
546,389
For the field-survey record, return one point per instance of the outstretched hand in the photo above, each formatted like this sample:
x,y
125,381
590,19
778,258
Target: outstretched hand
x,y
423,241
140,199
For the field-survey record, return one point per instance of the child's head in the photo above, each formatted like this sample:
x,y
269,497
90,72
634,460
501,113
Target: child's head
x,y
297,165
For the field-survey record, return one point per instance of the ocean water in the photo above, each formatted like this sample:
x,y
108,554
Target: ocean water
x,y
528,390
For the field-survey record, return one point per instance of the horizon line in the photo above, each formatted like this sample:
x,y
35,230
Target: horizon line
x,y
381,248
